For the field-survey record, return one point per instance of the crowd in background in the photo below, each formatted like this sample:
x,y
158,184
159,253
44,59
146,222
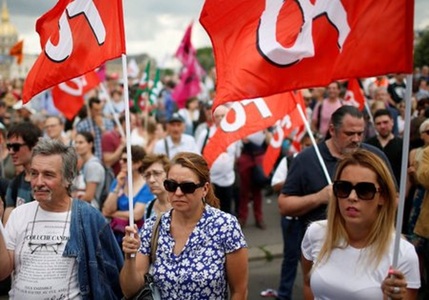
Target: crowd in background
x,y
165,129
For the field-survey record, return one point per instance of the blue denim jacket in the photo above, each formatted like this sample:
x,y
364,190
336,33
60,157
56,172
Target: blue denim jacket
x,y
98,255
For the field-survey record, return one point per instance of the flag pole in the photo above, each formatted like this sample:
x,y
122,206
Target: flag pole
x,y
128,134
402,186
316,148
114,114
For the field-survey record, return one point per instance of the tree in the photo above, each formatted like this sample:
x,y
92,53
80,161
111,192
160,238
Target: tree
x,y
421,51
205,57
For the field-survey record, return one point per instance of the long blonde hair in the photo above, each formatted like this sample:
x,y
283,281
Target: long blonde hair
x,y
380,235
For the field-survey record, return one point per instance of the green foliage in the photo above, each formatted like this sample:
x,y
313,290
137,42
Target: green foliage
x,y
205,57
421,51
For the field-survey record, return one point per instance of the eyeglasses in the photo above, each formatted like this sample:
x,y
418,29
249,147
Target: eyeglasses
x,y
186,187
154,173
50,247
124,159
364,190
14,146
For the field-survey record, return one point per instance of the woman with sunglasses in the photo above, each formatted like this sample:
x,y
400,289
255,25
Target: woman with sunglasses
x,y
201,251
349,255
154,169
116,206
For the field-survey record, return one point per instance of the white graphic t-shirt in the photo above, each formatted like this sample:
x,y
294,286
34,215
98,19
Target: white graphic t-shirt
x,y
38,238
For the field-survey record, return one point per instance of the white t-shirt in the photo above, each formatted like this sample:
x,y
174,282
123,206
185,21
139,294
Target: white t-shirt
x,y
222,170
187,143
38,239
93,171
347,275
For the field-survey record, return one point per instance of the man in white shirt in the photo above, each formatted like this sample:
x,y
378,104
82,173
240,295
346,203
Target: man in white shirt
x,y
176,141
57,247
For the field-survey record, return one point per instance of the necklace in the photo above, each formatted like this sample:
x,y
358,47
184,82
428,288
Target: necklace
x,y
53,246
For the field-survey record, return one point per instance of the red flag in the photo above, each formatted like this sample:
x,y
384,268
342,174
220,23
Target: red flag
x,y
246,117
283,128
266,47
75,39
68,96
17,51
354,94
189,85
186,51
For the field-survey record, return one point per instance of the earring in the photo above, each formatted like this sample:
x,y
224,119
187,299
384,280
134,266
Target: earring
x,y
203,199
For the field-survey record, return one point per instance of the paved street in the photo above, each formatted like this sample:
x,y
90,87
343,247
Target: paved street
x,y
265,252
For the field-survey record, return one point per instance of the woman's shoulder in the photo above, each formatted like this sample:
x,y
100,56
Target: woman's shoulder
x,y
318,226
218,214
316,231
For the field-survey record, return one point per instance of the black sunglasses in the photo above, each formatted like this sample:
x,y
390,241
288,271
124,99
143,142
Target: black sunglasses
x,y
14,146
186,187
364,190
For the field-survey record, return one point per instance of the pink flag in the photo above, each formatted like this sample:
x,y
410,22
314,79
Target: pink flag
x,y
186,51
189,85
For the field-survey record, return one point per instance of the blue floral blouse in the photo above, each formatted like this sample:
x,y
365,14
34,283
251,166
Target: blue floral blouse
x,y
199,271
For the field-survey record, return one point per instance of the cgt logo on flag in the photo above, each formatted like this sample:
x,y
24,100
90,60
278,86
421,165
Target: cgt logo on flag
x,y
76,37
267,47
64,48
68,96
303,46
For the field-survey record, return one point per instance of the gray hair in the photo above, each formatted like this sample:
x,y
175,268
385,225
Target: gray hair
x,y
48,147
338,116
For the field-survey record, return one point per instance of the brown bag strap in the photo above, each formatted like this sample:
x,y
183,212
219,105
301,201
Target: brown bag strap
x,y
154,239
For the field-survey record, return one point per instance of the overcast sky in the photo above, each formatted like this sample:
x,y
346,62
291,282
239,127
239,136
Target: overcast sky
x,y
152,26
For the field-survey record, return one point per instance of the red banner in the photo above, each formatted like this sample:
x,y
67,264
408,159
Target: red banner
x,y
246,117
354,95
68,96
270,46
17,51
283,128
76,37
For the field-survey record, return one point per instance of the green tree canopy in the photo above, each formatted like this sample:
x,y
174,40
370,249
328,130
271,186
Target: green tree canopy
x,y
421,51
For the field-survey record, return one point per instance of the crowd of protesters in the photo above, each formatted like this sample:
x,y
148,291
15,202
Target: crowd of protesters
x,y
163,130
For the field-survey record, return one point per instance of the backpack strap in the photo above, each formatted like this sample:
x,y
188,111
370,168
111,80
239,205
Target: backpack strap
x,y
205,139
154,239
14,185
319,116
166,148
150,208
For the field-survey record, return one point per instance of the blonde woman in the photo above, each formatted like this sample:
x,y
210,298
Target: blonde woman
x,y
349,256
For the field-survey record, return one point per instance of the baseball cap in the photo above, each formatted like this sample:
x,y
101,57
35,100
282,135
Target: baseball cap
x,y
175,117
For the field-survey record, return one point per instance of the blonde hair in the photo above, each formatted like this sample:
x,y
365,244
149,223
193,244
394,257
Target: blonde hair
x,y
380,234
